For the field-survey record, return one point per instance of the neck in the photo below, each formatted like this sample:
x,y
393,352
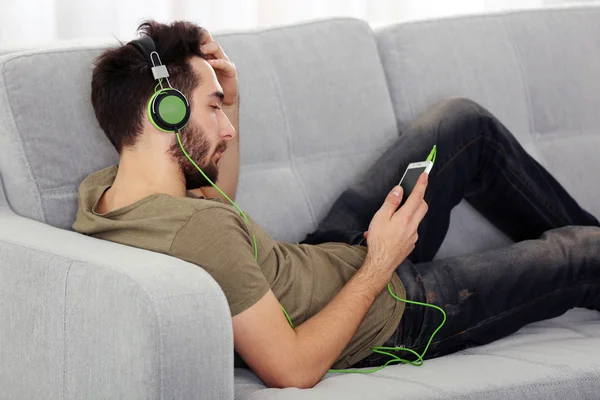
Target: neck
x,y
141,174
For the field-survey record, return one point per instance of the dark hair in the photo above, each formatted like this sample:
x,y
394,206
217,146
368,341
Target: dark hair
x,y
122,82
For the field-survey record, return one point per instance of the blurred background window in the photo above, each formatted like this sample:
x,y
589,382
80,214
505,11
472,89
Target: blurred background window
x,y
26,23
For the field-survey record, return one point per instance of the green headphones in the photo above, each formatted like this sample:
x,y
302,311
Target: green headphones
x,y
168,108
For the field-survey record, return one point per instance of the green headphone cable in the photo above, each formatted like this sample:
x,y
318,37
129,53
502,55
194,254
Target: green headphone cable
x,y
387,350
378,349
176,116
233,203
220,191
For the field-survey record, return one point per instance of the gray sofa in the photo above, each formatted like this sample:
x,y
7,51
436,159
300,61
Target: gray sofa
x,y
82,318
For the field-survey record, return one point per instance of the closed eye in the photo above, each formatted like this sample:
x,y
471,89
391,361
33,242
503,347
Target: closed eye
x,y
215,107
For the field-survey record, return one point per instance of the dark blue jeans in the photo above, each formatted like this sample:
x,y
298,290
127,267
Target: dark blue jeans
x,y
553,267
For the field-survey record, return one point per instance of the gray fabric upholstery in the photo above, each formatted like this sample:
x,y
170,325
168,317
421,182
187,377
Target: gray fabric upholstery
x,y
536,70
51,139
305,132
554,359
315,112
84,318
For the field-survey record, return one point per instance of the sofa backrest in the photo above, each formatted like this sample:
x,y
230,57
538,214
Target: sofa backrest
x,y
537,71
314,111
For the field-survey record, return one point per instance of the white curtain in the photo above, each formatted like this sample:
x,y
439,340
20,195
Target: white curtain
x,y
26,23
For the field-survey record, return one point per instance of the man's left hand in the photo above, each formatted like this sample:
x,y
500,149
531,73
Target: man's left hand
x,y
224,68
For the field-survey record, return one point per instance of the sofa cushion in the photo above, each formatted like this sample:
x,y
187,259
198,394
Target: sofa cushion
x,y
49,136
537,71
315,111
554,359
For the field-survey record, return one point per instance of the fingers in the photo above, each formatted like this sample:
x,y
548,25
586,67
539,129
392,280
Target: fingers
x,y
206,37
413,239
226,67
213,48
419,214
392,201
415,198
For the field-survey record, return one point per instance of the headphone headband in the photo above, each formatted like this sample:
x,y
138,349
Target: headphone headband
x,y
168,108
145,45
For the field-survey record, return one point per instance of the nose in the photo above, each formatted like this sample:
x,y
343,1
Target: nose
x,y
227,131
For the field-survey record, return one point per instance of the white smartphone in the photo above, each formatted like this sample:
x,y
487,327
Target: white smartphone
x,y
411,176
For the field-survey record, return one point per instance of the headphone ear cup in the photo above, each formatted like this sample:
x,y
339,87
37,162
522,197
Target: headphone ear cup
x,y
169,110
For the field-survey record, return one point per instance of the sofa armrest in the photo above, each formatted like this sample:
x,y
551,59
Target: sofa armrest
x,y
83,318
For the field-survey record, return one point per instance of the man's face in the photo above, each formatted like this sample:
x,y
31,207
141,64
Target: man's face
x,y
205,136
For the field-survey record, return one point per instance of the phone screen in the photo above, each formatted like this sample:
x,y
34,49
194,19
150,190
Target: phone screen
x,y
410,180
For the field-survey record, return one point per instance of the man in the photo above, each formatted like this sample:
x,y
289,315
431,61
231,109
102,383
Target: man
x,y
331,285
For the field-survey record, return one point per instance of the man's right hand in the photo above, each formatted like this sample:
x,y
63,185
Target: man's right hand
x,y
392,232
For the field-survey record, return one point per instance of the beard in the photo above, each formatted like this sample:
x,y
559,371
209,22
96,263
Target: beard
x,y
197,146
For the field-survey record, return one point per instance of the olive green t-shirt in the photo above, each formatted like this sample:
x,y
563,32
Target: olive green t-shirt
x,y
214,236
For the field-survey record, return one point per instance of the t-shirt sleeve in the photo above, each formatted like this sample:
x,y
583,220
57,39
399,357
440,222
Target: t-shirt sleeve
x,y
218,240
